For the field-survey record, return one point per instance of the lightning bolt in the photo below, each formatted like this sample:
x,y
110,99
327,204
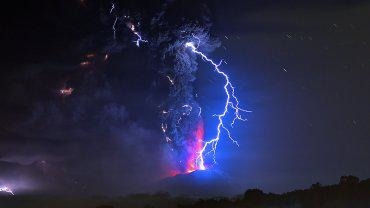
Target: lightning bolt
x,y
231,103
132,28
139,38
113,7
114,27
6,190
171,80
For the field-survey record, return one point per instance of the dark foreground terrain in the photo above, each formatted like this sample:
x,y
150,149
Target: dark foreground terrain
x,y
350,192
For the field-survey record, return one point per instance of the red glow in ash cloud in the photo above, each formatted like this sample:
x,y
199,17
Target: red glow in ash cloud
x,y
90,55
174,173
85,63
66,91
194,145
194,148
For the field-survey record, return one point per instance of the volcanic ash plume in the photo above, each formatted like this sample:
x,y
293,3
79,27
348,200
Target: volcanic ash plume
x,y
182,124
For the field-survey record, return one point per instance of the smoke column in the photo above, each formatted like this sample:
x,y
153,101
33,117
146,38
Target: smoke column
x,y
174,45
181,117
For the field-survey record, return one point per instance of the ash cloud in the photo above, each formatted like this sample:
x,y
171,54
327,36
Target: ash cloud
x,y
180,111
81,144
167,29
105,137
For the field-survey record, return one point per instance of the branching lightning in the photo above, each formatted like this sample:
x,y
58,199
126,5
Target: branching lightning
x,y
139,38
131,26
231,103
198,148
113,7
6,190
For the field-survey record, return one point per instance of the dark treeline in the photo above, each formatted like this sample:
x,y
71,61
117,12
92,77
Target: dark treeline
x,y
349,192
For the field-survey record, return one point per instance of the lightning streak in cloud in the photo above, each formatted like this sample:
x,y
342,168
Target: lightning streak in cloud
x,y
112,8
115,20
171,80
139,38
231,103
131,26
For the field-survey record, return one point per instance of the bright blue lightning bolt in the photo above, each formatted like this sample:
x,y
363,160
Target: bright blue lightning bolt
x,y
232,103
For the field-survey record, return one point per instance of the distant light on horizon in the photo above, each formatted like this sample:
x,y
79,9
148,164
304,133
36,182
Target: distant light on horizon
x,y
6,190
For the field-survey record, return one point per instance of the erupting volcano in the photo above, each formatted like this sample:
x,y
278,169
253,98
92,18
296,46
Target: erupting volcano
x,y
195,147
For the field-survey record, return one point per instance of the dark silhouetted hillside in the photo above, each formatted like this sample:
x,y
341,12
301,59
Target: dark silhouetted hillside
x,y
350,192
200,183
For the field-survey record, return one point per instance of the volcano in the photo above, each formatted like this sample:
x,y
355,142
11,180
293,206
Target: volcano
x,y
200,183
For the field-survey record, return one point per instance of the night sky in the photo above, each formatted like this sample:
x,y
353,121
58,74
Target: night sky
x,y
301,68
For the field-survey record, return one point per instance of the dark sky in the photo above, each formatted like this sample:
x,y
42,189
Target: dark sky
x,y
302,68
